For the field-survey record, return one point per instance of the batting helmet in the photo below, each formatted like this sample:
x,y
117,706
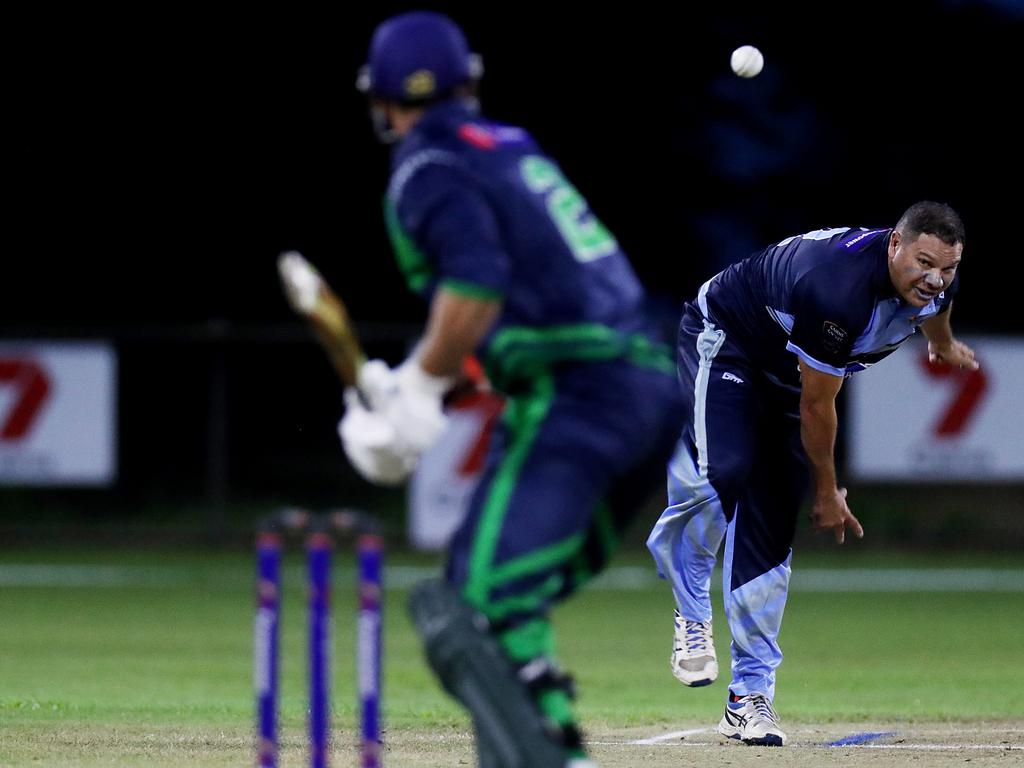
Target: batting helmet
x,y
418,57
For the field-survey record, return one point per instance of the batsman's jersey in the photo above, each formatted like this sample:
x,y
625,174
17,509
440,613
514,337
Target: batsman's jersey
x,y
478,208
825,296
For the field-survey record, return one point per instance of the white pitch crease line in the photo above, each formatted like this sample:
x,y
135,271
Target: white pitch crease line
x,y
932,747
661,741
669,736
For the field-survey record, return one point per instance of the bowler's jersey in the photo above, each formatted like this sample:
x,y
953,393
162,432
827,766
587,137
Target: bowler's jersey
x,y
824,297
477,207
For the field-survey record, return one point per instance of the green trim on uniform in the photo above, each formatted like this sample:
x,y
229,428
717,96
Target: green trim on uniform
x,y
528,641
520,352
411,261
532,640
555,703
650,354
497,610
523,418
537,560
472,290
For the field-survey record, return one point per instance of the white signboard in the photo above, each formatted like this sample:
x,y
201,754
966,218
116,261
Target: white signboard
x,y
911,420
58,413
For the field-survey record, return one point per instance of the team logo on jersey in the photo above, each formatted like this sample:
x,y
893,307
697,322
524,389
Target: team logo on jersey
x,y
834,337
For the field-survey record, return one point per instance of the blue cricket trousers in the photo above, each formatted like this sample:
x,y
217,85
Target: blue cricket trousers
x,y
739,474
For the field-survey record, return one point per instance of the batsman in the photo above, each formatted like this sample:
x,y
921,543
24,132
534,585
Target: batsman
x,y
519,271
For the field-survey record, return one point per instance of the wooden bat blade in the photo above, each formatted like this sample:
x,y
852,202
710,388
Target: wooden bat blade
x,y
311,297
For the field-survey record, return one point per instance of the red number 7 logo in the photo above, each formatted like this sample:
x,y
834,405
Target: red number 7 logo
x,y
32,387
970,389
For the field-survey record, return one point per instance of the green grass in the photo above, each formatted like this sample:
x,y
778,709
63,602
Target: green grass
x,y
849,657
173,649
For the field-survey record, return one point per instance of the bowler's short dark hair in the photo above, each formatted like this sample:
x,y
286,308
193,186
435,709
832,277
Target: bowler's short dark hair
x,y
928,218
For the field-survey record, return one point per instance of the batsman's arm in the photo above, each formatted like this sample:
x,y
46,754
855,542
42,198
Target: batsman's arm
x,y
312,298
456,325
408,402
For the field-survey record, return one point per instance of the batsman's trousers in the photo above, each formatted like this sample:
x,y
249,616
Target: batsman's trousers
x,y
578,452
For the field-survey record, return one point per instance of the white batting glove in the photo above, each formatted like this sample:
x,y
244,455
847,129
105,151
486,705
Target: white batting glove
x,y
416,411
377,383
409,398
372,444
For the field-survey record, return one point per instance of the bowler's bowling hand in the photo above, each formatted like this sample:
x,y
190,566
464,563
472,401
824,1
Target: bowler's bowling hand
x,y
830,511
952,352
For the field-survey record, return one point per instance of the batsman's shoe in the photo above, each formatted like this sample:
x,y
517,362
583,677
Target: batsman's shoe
x,y
543,678
752,720
693,658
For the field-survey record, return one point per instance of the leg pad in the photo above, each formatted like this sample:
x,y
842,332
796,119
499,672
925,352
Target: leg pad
x,y
511,731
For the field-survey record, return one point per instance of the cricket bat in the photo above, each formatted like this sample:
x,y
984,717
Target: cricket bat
x,y
312,298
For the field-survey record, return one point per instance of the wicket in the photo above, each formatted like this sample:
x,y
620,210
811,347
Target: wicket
x,y
319,532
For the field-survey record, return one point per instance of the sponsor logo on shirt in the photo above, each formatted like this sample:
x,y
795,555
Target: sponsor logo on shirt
x,y
858,238
834,337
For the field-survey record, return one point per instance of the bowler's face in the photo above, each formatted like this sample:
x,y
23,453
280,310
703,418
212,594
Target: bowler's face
x,y
923,268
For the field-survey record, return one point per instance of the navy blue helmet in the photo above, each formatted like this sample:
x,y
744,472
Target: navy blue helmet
x,y
418,57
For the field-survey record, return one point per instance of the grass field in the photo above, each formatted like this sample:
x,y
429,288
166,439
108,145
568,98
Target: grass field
x,y
142,659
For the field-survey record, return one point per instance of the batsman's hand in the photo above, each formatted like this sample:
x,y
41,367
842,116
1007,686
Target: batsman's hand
x,y
394,416
372,444
830,511
409,398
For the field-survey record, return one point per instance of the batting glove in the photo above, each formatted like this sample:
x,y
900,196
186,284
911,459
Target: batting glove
x,y
409,398
372,444
417,412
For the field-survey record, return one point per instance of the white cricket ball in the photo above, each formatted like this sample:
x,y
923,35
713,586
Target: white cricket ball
x,y
747,61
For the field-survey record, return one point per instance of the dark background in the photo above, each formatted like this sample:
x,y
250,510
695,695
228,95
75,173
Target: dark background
x,y
156,163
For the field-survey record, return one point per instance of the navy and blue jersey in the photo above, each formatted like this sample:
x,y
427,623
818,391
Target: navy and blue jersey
x,y
825,297
478,208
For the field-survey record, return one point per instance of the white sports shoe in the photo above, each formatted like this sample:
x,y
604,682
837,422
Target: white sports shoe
x,y
693,658
752,720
